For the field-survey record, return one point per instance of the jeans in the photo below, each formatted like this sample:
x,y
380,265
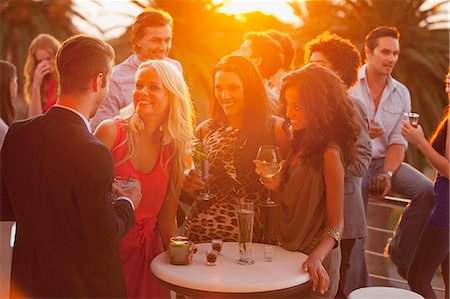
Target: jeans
x,y
432,251
409,183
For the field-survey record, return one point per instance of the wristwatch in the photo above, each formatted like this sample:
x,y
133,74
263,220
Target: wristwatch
x,y
389,173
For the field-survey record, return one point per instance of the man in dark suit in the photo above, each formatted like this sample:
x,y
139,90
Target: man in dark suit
x,y
56,180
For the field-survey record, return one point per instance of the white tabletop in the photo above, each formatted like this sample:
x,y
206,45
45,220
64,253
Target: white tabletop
x,y
229,277
383,292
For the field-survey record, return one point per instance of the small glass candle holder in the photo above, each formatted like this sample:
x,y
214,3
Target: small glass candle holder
x,y
216,244
269,252
211,256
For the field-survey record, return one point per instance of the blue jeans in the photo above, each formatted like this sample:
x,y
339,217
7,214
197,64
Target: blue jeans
x,y
432,251
409,183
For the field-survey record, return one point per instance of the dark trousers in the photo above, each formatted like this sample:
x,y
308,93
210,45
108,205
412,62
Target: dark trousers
x,y
431,251
353,271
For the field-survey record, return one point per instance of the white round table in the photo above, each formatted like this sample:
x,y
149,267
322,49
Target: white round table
x,y
281,277
383,292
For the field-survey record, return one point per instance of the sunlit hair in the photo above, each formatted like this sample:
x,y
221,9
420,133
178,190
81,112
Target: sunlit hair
x,y
79,59
7,73
177,127
150,17
287,46
44,42
437,137
328,112
256,113
269,50
381,31
341,53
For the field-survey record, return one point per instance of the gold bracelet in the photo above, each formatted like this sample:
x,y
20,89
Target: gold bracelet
x,y
332,232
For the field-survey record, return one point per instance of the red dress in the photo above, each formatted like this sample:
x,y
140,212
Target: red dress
x,y
52,89
142,243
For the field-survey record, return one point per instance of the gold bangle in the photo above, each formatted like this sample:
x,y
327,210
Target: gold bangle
x,y
332,232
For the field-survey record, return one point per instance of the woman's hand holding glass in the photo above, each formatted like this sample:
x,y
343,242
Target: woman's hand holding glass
x,y
268,166
272,183
193,181
413,134
196,181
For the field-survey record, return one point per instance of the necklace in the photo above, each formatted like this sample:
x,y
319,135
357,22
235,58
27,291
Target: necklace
x,y
377,99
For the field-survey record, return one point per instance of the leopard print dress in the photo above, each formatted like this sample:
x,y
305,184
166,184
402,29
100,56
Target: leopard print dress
x,y
232,180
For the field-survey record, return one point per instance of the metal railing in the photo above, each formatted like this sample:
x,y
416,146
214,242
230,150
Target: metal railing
x,y
382,271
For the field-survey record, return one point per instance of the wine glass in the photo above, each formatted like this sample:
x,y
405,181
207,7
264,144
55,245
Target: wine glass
x,y
268,164
199,153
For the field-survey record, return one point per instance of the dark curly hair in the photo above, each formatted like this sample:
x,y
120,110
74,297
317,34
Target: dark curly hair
x,y
328,112
341,53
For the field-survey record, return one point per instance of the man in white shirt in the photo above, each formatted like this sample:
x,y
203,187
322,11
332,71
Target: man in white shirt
x,y
386,101
151,38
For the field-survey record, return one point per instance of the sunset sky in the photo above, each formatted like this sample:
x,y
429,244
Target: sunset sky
x,y
113,12
121,13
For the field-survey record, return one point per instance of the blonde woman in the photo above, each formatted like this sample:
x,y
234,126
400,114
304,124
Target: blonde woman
x,y
41,85
149,142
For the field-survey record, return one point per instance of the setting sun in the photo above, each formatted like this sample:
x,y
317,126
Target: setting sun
x,y
278,8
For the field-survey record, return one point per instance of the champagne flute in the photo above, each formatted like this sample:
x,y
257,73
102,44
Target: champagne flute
x,y
268,164
199,154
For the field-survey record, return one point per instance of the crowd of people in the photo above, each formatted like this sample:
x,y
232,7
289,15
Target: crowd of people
x,y
339,125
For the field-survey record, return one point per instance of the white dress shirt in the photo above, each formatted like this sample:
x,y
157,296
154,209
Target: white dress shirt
x,y
394,102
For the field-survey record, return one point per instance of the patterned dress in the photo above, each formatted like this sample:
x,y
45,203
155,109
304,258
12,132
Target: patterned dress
x,y
232,179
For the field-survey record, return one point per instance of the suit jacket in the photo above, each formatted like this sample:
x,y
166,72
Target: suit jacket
x,y
355,225
57,184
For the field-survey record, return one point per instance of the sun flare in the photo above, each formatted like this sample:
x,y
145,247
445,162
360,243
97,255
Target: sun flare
x,y
278,8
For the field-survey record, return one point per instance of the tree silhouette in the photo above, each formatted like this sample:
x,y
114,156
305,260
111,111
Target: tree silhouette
x,y
424,45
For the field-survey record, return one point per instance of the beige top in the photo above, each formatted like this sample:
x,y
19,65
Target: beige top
x,y
303,208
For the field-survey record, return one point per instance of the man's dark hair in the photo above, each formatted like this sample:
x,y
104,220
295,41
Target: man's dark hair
x,y
287,46
341,53
150,17
266,48
381,31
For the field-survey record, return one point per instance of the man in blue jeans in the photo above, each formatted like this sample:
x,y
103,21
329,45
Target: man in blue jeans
x,y
386,101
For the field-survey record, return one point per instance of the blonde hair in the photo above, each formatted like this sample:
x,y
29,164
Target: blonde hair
x,y
42,41
177,127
